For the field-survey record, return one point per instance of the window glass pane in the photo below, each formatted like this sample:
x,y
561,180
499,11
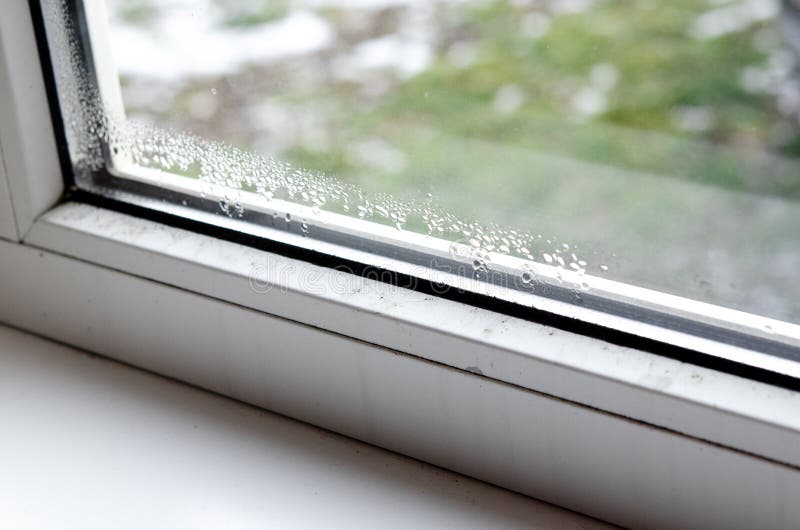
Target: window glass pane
x,y
651,142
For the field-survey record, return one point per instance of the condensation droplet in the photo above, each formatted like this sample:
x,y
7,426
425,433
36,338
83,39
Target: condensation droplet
x,y
219,165
479,265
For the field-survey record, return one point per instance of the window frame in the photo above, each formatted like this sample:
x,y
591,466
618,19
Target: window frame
x,y
28,140
103,280
703,334
8,224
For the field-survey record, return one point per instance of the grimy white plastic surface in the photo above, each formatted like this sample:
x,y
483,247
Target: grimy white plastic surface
x,y
623,435
8,225
26,132
596,463
753,417
88,443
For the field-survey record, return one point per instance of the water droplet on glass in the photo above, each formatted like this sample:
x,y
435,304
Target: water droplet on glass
x,y
479,265
213,91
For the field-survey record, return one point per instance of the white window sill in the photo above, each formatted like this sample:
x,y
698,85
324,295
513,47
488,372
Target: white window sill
x,y
750,416
93,444
598,428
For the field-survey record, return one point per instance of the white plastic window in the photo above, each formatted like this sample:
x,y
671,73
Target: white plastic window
x,y
594,152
